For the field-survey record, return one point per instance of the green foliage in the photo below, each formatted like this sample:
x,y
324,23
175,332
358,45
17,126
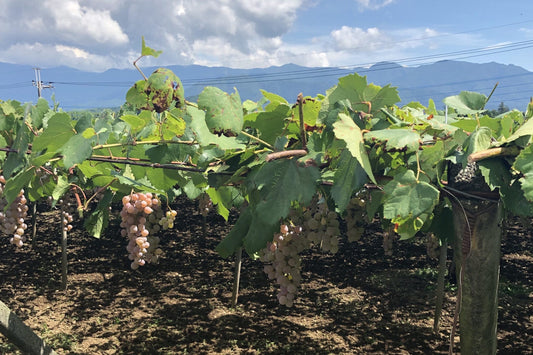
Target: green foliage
x,y
224,113
355,139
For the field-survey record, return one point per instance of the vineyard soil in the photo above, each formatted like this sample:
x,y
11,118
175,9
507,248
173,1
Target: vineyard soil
x,y
355,302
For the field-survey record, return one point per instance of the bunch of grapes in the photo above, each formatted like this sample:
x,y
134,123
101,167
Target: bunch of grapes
x,y
167,222
321,227
388,240
432,246
283,262
142,216
68,206
205,204
12,220
354,219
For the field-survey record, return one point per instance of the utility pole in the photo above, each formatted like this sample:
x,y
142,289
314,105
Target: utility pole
x,y
39,83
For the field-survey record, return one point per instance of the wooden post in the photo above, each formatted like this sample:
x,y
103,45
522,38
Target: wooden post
x,y
20,334
64,259
236,278
478,274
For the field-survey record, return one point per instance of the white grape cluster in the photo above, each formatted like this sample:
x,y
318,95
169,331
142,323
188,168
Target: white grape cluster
x,y
432,246
283,262
205,205
321,227
12,221
355,212
142,217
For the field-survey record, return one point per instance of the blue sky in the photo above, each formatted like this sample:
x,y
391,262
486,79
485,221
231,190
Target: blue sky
x,y
97,35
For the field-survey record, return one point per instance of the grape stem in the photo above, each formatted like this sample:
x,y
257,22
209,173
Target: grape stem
x,y
257,139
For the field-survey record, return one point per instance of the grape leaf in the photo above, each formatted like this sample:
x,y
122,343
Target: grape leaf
x,y
346,130
409,201
145,50
195,120
57,133
396,139
17,160
17,183
76,150
524,164
98,220
223,111
61,187
270,124
349,177
467,102
280,183
163,179
222,198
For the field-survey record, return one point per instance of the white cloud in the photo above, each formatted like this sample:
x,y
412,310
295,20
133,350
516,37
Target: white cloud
x,y
76,23
347,38
373,4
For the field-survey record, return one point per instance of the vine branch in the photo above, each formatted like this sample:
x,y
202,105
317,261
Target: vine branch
x,y
286,154
493,152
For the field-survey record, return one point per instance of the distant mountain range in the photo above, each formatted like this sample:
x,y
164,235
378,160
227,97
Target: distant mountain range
x,y
74,89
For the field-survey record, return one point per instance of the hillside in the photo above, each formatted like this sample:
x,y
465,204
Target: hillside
x,y
75,89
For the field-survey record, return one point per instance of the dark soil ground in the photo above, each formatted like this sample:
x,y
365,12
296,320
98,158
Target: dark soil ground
x,y
358,301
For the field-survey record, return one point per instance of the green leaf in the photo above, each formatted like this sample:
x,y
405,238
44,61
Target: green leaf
x,y
135,122
515,201
223,111
408,200
525,130
234,239
467,102
280,183
222,198
17,160
346,130
37,113
16,184
61,187
270,124
524,164
136,184
310,108
259,233
442,225
195,120
274,99
57,133
396,139
76,150
480,139
163,179
495,171
98,220
349,177
149,51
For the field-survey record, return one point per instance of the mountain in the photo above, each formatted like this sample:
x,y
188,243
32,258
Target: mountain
x,y
75,89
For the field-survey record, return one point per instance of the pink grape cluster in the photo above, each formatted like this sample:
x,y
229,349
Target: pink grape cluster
x,y
142,216
283,262
68,205
12,220
321,227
